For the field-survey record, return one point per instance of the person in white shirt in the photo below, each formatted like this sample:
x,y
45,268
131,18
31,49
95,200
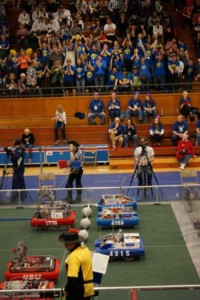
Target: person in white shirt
x,y
144,156
24,18
36,14
60,122
158,30
110,29
38,26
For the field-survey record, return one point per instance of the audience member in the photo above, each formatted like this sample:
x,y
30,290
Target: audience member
x,y
28,140
185,151
116,133
96,109
134,107
130,134
60,122
179,128
157,132
149,107
185,104
114,108
21,85
198,133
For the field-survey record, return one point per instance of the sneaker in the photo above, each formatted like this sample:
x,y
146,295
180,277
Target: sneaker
x,y
65,141
182,166
57,142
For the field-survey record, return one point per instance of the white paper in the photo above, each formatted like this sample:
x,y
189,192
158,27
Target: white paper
x,y
100,262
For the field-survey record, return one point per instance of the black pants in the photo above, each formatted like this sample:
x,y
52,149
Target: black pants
x,y
18,183
77,177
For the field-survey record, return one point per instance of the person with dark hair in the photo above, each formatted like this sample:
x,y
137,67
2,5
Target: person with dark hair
x,y
144,155
17,158
76,169
130,134
60,122
179,128
78,265
149,107
156,132
185,104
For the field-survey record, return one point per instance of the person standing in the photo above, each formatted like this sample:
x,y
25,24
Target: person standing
x,y
78,265
17,158
76,171
28,140
61,121
144,156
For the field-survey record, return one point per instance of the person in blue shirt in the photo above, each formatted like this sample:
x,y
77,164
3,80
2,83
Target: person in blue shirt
x,y
99,71
116,133
127,51
179,128
159,72
135,80
130,134
80,48
144,74
157,132
93,53
140,43
149,108
134,107
124,81
69,74
112,78
96,109
89,77
114,108
136,58
198,133
189,74
173,72
106,54
80,76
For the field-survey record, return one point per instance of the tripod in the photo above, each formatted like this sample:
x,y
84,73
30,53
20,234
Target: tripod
x,y
144,172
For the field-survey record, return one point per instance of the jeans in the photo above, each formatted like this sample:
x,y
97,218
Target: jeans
x,y
56,127
146,114
29,147
133,138
185,160
99,81
80,83
130,113
198,139
144,174
92,116
175,139
113,113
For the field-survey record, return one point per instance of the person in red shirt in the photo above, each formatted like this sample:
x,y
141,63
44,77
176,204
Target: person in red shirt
x,y
185,151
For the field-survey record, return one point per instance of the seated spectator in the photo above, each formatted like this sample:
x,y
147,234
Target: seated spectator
x,y
116,133
185,104
114,108
28,140
11,84
96,109
134,107
179,128
149,107
22,35
110,30
60,122
24,18
130,134
21,85
156,132
198,133
185,151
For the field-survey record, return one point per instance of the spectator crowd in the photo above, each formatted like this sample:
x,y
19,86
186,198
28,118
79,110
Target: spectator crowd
x,y
124,46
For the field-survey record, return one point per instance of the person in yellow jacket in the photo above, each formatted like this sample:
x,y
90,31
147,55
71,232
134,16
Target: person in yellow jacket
x,y
78,265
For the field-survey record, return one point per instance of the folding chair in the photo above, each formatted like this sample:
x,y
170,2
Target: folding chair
x,y
90,157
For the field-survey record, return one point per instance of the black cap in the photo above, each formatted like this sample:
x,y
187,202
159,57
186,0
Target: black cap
x,y
74,143
69,237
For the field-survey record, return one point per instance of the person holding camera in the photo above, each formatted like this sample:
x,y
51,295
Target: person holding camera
x,y
17,158
76,171
185,151
144,156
